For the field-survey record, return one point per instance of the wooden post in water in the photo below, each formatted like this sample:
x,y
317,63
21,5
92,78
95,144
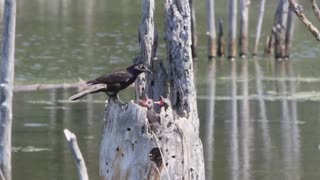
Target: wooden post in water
x,y
220,49
289,32
136,145
259,26
232,29
244,22
280,29
211,29
6,80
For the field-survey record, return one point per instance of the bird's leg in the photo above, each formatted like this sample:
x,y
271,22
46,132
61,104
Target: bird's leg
x,y
115,97
119,100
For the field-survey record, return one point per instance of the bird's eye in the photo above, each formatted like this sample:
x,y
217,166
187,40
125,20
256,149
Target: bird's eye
x,y
141,67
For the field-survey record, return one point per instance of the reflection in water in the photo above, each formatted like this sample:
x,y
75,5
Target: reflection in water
x,y
233,128
245,125
244,143
264,125
209,130
289,125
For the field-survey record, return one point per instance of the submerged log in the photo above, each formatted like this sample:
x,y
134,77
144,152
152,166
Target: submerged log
x,y
6,86
135,146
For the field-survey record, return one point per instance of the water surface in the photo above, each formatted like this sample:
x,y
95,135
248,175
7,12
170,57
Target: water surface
x,y
259,118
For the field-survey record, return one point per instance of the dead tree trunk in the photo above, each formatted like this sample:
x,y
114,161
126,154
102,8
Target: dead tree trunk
x,y
147,45
133,145
232,29
259,26
7,77
280,29
244,23
211,29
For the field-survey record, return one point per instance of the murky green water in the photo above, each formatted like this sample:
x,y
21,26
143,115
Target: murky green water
x,y
259,118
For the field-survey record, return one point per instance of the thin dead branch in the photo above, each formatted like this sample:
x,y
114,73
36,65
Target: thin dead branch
x,y
315,9
297,9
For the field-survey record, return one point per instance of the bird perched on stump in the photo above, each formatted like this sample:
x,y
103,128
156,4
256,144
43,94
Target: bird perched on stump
x,y
112,83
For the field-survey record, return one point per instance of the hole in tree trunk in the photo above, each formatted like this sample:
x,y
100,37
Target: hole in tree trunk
x,y
155,156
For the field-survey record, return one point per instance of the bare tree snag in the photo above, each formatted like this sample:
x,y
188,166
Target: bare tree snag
x,y
297,9
280,29
77,156
136,146
6,86
211,29
232,29
259,26
244,27
315,9
146,41
220,48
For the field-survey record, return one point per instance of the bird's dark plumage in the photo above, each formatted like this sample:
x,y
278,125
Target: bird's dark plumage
x,y
112,83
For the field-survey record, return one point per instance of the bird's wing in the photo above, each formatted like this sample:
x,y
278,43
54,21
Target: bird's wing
x,y
116,77
89,89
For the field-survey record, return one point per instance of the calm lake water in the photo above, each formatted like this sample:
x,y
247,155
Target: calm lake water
x,y
259,118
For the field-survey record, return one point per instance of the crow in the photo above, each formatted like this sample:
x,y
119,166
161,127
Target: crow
x,y
112,83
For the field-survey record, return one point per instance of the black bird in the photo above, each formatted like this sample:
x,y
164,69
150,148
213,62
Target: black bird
x,y
112,83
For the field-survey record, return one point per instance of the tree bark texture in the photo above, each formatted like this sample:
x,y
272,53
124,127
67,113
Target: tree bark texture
x,y
232,29
280,29
7,77
193,30
158,143
211,29
259,26
244,27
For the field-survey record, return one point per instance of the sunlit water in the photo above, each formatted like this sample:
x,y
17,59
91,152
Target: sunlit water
x,y
259,118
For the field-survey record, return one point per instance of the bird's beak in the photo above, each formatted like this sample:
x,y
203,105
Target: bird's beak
x,y
148,70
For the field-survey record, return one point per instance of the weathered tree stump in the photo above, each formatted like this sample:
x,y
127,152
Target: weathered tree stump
x,y
135,146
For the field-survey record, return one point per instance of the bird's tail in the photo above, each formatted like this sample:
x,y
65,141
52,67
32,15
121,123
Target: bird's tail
x,y
88,90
